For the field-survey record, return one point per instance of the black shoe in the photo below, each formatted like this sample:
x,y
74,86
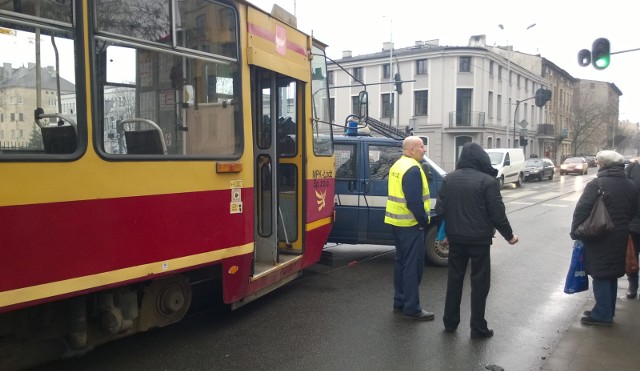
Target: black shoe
x,y
423,315
476,334
632,294
590,321
397,309
450,329
586,313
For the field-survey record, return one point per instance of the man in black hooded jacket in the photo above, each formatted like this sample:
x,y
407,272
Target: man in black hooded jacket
x,y
472,207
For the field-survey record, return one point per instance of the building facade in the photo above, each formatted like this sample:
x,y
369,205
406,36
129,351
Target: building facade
x,y
480,93
596,119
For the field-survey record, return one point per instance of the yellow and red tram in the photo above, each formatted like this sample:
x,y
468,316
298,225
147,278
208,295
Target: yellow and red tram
x,y
146,145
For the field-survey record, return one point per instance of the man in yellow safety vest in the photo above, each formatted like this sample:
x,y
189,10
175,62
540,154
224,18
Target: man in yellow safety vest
x,y
407,211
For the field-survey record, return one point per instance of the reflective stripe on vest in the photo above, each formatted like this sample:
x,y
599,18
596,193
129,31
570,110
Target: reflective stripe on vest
x,y
396,212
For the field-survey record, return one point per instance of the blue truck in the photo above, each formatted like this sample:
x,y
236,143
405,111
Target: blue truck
x,y
362,168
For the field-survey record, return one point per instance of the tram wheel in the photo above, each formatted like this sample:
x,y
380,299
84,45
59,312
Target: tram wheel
x,y
165,301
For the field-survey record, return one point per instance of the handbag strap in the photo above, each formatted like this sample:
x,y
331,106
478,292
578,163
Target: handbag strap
x,y
604,195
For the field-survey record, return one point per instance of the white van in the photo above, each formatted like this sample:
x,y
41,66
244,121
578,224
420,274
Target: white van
x,y
510,165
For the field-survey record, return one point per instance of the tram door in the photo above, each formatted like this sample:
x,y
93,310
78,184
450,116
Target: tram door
x,y
277,185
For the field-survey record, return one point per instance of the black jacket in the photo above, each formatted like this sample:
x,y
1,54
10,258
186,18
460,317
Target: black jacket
x,y
471,202
605,257
633,172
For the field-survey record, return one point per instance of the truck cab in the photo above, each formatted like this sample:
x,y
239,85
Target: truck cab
x,y
362,168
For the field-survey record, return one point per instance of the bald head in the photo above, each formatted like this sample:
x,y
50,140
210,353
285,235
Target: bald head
x,y
413,147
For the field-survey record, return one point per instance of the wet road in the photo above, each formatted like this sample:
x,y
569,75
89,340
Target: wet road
x,y
339,317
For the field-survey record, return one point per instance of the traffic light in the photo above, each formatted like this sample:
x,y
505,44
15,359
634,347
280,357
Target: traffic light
x,y
584,57
398,83
601,53
542,97
523,141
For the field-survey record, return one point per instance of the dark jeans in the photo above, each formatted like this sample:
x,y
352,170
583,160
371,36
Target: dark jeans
x,y
459,256
605,291
409,264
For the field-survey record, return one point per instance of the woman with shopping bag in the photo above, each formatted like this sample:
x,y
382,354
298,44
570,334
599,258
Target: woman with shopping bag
x,y
605,254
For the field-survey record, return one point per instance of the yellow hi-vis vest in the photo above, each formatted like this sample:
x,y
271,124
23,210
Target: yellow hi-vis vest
x,y
397,212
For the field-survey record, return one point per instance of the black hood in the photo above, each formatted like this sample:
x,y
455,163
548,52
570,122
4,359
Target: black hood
x,y
474,157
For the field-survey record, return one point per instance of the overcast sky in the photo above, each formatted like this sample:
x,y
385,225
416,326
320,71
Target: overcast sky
x,y
563,27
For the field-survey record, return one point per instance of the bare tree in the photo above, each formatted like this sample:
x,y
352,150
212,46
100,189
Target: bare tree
x,y
588,129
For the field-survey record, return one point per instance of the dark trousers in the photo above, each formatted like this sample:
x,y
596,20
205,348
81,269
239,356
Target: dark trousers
x,y
605,292
459,256
408,267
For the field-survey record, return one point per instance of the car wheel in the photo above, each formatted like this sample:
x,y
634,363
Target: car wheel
x,y
520,180
551,175
501,182
437,252
540,177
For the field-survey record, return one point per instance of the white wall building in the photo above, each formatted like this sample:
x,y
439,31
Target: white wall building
x,y
451,95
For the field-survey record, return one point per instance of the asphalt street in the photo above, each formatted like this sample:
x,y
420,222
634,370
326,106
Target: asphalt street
x,y
339,316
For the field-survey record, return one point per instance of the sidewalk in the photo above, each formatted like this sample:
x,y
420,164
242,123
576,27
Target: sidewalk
x,y
587,348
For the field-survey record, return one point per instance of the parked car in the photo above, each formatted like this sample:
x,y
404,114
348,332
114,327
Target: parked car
x,y
538,169
574,165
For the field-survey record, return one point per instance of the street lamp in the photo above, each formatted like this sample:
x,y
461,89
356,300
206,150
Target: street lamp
x,y
510,50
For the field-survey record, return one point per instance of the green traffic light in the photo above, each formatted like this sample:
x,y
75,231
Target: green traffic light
x,y
602,63
601,53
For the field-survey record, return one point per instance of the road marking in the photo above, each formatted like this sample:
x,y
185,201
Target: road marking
x,y
554,205
546,195
521,203
518,194
573,197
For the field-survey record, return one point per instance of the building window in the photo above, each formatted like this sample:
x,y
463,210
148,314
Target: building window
x,y
332,109
386,71
387,107
500,73
421,103
357,74
463,107
490,105
491,66
460,142
498,143
489,142
13,117
499,105
355,104
331,77
21,117
518,83
465,64
421,67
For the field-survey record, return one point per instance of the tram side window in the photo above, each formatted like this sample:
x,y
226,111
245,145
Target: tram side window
x,y
31,84
166,101
322,129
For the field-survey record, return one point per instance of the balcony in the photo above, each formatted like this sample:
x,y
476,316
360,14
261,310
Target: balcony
x,y
466,119
547,130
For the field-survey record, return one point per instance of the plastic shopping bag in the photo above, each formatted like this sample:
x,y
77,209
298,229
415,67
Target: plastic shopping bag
x,y
441,233
577,280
